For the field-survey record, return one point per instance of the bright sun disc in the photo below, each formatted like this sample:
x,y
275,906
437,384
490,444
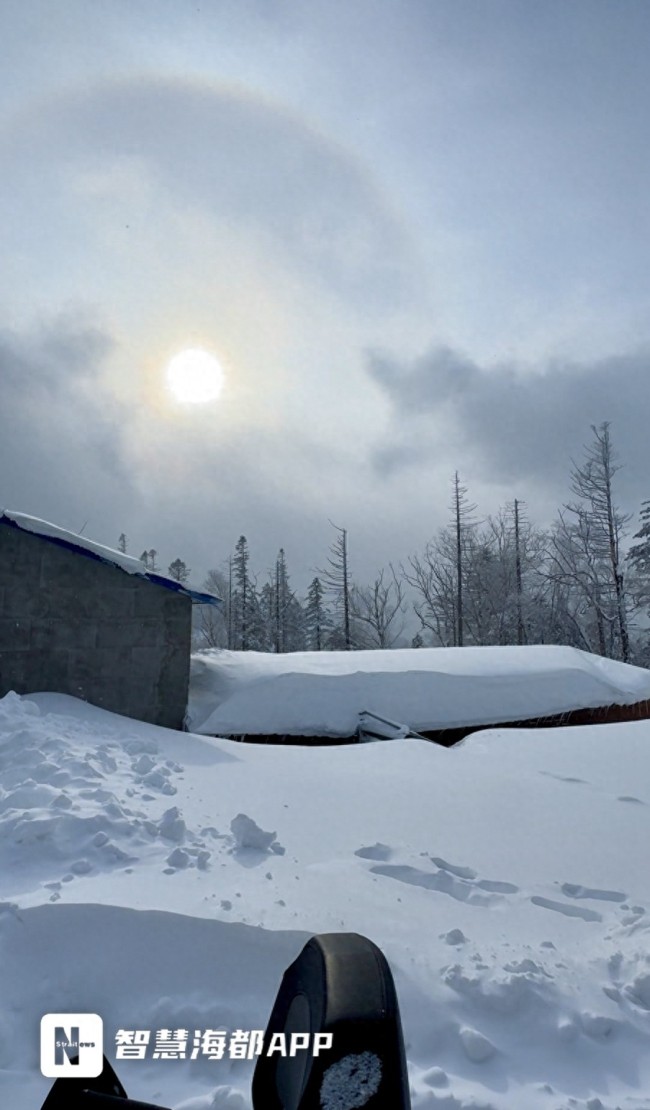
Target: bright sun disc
x,y
195,376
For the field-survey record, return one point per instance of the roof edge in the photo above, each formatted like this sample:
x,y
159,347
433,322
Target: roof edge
x,y
128,564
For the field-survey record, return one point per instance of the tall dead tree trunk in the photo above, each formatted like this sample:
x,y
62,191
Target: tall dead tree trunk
x,y
520,622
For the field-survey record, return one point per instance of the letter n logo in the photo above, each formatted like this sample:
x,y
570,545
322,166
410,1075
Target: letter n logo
x,y
72,1037
66,1043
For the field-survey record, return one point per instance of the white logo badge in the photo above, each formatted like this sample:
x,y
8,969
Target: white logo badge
x,y
72,1045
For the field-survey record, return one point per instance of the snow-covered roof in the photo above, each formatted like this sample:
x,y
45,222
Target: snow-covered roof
x,y
322,693
89,548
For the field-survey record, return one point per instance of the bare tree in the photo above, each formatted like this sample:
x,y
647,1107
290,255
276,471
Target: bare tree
x,y
463,525
281,598
585,552
502,583
510,556
377,609
440,575
336,580
433,578
593,483
518,575
574,567
230,606
212,622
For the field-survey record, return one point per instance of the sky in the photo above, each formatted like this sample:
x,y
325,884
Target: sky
x,y
414,233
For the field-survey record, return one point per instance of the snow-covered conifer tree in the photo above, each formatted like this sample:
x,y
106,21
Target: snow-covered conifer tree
x,y
316,620
179,571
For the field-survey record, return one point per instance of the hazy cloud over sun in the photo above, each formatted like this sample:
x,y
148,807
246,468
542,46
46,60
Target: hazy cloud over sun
x,y
246,162
458,188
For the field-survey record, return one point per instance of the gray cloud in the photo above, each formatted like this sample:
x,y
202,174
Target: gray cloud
x,y
437,377
515,424
58,355
61,446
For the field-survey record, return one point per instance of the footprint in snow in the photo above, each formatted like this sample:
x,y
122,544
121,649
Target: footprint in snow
x,y
638,991
567,910
454,936
453,868
574,890
598,1026
81,867
495,886
564,778
457,881
376,851
441,881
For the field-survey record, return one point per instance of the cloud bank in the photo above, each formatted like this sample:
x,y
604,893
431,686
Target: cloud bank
x,y
515,423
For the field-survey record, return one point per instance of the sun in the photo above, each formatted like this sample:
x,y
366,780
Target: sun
x,y
195,376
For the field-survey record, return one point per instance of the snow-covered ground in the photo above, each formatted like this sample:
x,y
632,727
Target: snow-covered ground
x,y
505,879
312,693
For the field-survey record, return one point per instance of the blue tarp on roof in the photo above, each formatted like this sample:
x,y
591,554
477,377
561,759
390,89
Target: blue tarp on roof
x,y
91,550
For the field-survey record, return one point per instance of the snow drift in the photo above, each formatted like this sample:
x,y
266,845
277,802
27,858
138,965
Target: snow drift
x,y
165,880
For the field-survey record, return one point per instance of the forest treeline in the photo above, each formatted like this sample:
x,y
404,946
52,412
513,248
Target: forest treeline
x,y
499,580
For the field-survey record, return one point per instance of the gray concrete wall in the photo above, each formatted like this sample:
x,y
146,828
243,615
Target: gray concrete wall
x,y
74,625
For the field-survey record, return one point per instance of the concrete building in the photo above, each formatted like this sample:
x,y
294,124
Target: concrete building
x,y
78,618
